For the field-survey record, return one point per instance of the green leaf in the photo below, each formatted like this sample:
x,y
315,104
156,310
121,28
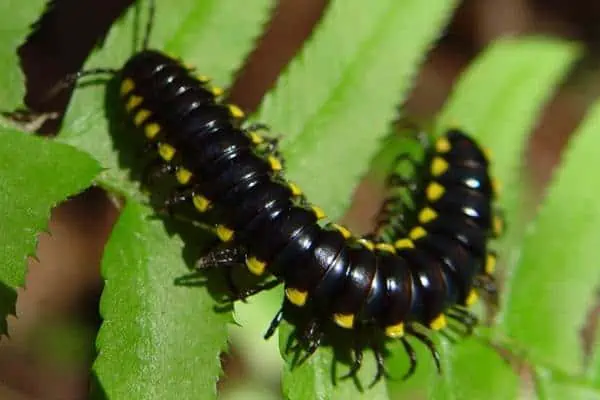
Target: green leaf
x,y
35,175
551,386
158,340
497,100
18,16
552,287
211,35
338,97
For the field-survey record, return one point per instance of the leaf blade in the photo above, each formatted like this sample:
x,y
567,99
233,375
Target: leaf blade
x,y
15,29
36,174
167,339
565,237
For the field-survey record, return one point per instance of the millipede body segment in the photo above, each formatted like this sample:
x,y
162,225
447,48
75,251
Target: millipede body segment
x,y
416,272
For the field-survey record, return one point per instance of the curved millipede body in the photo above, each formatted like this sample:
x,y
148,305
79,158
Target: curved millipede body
x,y
421,271
421,266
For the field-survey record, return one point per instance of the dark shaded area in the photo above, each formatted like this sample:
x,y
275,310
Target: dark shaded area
x,y
8,301
59,44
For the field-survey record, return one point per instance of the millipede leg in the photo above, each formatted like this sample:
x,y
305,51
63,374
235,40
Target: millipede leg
x,y
259,288
380,361
430,345
154,170
356,364
275,322
465,318
412,356
312,336
257,126
222,256
177,198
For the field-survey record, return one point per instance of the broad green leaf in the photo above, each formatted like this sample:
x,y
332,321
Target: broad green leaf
x,y
18,16
552,288
158,340
497,100
337,98
35,175
551,386
211,35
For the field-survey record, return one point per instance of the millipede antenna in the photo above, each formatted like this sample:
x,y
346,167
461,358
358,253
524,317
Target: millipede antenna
x,y
149,24
72,78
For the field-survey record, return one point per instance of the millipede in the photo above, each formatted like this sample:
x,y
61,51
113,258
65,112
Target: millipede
x,y
424,263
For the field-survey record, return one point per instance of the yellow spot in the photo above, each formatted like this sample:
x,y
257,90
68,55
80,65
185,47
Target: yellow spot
x,y
442,145
426,215
438,166
404,244
216,91
166,151
296,297
438,323
294,189
344,231
471,298
498,225
275,163
395,331
496,186
235,111
141,117
434,191
183,176
201,203
224,233
490,264
417,233
344,320
255,266
151,130
127,86
133,102
385,247
319,213
367,243
488,154
256,138
202,78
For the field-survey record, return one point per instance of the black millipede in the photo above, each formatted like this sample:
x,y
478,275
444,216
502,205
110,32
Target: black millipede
x,y
424,263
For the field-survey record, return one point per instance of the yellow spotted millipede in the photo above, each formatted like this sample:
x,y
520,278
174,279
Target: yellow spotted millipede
x,y
424,264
